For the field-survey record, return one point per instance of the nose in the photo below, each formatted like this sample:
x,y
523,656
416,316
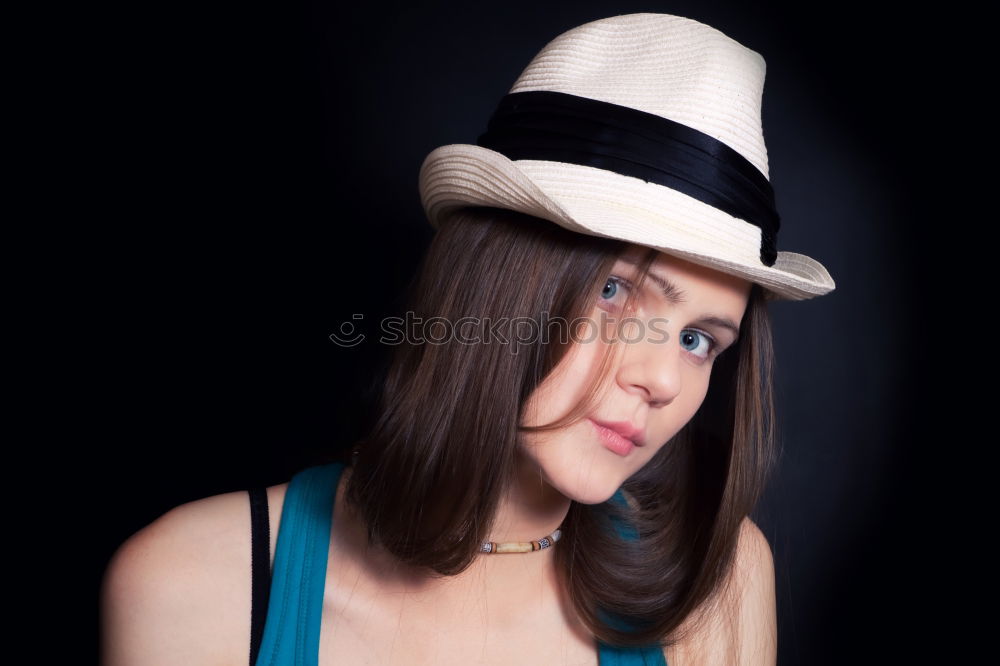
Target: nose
x,y
651,365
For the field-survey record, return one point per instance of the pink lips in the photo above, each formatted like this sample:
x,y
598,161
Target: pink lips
x,y
625,429
618,436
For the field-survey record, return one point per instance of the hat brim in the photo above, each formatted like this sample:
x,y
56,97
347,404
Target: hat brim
x,y
602,203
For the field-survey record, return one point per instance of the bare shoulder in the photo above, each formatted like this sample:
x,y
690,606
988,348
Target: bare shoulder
x,y
178,590
740,627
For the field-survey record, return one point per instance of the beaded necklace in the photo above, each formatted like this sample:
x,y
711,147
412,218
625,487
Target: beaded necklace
x,y
521,546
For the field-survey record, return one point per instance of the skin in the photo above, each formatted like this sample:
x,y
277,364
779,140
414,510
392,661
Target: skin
x,y
502,606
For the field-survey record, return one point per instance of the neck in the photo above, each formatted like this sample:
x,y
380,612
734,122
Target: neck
x,y
530,510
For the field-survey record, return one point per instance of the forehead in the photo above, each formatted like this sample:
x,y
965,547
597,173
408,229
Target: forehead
x,y
669,264
694,279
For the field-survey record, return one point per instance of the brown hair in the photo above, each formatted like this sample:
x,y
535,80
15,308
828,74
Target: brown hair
x,y
429,475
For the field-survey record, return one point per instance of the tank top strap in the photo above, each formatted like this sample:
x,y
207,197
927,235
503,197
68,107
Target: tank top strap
x,y
609,655
295,604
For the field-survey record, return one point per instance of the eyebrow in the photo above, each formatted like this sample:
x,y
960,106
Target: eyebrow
x,y
675,295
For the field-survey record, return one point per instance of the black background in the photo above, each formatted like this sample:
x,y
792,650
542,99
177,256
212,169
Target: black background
x,y
241,180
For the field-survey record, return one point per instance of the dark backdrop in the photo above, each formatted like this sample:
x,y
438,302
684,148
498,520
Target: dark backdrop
x,y
260,165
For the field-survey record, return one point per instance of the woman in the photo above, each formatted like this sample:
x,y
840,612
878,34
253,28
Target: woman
x,y
596,385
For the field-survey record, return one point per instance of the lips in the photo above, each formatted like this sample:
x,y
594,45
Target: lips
x,y
613,441
625,429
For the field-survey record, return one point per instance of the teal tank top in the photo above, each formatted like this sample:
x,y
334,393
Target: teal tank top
x,y
295,603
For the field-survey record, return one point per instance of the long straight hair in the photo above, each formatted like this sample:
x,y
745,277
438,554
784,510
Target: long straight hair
x,y
428,476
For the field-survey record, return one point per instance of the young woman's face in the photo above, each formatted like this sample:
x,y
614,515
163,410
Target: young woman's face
x,y
657,384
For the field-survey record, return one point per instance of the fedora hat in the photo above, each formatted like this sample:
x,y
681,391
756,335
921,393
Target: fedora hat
x,y
640,127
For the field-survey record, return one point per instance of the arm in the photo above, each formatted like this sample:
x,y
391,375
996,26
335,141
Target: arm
x,y
741,627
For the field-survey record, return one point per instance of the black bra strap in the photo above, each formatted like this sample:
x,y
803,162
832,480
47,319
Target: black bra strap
x,y
260,568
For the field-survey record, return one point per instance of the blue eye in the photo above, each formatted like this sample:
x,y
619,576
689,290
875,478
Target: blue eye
x,y
612,286
698,341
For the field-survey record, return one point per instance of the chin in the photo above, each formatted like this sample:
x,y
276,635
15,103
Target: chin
x,y
592,486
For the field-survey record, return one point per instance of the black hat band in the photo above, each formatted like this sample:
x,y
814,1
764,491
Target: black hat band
x,y
560,127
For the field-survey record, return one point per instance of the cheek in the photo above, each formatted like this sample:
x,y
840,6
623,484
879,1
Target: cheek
x,y
565,386
570,461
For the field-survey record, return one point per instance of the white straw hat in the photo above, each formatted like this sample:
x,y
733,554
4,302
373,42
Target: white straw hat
x,y
641,127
